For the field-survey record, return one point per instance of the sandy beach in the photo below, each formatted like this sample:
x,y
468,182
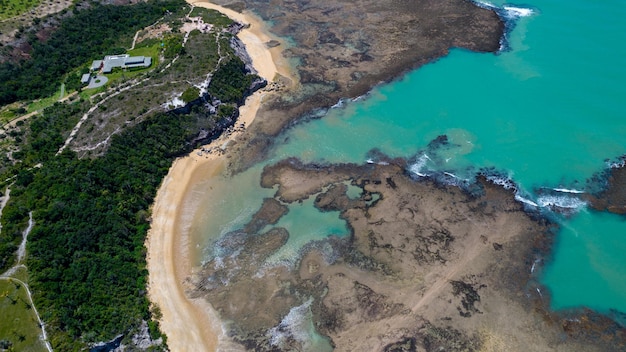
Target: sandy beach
x,y
192,325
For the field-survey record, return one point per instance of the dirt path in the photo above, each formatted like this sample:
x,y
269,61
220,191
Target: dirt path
x,y
4,201
44,336
21,253
82,120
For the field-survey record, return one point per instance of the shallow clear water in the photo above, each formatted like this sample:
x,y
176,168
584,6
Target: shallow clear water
x,y
547,114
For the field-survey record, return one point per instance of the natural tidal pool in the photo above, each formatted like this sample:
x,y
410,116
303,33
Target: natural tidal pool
x,y
547,114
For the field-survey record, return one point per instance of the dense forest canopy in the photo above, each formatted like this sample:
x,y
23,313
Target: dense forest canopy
x,y
85,254
88,34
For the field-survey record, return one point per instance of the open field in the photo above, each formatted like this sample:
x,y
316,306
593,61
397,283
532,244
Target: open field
x,y
12,8
19,323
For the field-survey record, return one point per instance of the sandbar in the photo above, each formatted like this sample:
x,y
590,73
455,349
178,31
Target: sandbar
x,y
191,324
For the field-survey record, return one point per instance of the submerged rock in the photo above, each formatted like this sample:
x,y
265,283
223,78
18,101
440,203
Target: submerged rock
x,y
427,267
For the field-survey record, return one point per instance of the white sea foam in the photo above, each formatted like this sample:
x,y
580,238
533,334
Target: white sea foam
x,y
617,164
485,4
565,190
516,12
532,268
295,325
509,11
506,183
419,164
339,104
525,200
565,202
371,161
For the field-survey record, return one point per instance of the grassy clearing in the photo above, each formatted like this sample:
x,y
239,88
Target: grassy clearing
x,y
41,104
151,50
10,112
18,324
12,8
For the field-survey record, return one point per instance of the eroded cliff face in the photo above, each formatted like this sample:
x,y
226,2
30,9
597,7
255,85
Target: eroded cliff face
x,y
427,267
343,48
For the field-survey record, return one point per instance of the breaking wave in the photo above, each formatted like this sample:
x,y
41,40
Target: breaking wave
x,y
417,167
565,190
509,14
563,202
513,12
297,326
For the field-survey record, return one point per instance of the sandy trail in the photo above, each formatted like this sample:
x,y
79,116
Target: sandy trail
x,y
191,324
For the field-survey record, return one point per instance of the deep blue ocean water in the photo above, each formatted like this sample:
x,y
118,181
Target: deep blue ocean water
x,y
547,113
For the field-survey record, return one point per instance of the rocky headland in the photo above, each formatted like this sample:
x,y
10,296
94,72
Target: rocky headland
x,y
427,266
343,49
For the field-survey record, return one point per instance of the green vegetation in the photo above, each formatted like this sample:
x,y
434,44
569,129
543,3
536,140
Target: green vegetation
x,y
147,49
22,331
173,46
211,16
12,8
10,112
89,34
86,254
230,81
43,103
190,94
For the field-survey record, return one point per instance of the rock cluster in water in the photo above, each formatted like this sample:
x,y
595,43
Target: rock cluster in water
x,y
427,267
345,48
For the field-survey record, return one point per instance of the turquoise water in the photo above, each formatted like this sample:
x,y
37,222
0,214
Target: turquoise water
x,y
582,272
304,225
547,114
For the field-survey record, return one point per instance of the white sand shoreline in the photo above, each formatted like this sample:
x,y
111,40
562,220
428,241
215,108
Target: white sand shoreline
x,y
192,325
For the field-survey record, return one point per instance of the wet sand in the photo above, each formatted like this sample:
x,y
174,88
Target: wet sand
x,y
191,324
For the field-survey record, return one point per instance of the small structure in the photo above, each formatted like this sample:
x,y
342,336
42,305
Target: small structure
x,y
85,78
123,61
96,65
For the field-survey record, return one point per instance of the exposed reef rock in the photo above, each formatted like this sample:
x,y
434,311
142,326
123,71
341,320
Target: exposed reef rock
x,y
427,267
612,199
345,48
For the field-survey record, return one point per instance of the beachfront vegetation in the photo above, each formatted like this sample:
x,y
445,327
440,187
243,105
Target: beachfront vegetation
x,y
88,34
190,94
230,81
211,16
86,255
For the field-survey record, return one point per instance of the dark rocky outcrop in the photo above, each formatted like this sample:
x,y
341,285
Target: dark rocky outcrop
x,y
427,267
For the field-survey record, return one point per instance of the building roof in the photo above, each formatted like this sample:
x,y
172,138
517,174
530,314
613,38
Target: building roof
x,y
134,60
124,61
85,78
144,62
96,64
112,61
